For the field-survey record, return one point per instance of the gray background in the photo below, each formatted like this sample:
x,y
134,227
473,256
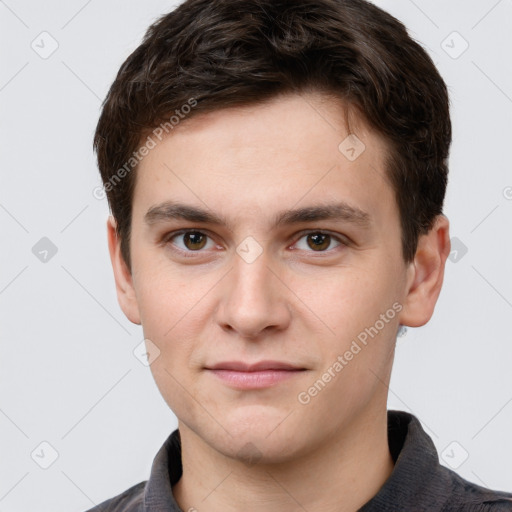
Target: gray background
x,y
68,373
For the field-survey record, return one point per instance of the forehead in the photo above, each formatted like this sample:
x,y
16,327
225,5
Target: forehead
x,y
253,161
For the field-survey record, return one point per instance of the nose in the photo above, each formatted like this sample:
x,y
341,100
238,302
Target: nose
x,y
254,299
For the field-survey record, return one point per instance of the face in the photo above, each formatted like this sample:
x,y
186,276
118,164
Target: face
x,y
259,243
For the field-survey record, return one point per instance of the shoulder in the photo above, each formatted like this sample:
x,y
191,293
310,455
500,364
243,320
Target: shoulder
x,y
469,497
130,500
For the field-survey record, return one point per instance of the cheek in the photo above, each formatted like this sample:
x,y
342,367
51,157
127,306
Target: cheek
x,y
362,310
163,311
169,318
167,298
348,300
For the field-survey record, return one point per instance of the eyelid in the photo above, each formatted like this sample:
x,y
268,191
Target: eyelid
x,y
166,239
172,234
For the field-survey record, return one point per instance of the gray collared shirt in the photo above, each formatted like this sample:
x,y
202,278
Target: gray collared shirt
x,y
418,482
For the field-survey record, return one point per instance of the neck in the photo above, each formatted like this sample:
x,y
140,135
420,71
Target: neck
x,y
341,475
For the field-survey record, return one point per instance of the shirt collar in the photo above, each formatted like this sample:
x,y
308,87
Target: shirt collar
x,y
417,481
165,472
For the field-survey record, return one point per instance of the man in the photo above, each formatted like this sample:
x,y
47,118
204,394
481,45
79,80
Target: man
x,y
276,172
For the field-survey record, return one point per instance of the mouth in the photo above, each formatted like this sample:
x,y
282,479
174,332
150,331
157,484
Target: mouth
x,y
263,374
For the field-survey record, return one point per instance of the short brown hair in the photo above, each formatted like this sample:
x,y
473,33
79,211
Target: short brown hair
x,y
225,53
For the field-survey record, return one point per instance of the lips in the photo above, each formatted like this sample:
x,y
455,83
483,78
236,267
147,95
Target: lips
x,y
245,376
239,366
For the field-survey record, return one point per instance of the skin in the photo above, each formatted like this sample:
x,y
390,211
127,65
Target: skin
x,y
263,449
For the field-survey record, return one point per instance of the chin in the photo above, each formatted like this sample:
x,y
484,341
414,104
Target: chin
x,y
258,437
252,451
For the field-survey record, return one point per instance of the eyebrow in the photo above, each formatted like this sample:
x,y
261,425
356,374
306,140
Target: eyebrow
x,y
170,210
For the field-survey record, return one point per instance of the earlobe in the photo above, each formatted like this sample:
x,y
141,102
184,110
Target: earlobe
x,y
426,274
122,275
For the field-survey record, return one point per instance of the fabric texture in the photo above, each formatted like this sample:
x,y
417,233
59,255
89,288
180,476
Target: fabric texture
x,y
418,482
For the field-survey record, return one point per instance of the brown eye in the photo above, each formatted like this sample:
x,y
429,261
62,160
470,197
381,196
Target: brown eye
x,y
190,243
318,241
194,240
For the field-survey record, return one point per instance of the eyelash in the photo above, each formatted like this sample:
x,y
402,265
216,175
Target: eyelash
x,y
194,254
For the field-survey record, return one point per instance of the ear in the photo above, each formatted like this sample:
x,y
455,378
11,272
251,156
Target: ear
x,y
426,274
122,275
